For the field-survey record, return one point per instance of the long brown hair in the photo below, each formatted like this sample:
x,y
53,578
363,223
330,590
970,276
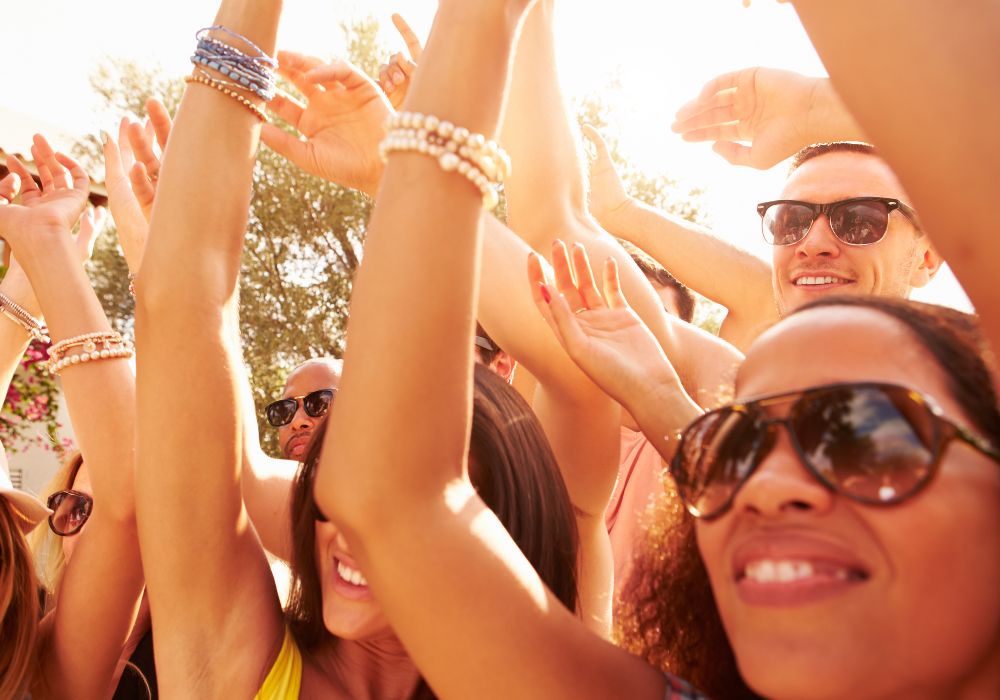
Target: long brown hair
x,y
515,473
18,606
668,615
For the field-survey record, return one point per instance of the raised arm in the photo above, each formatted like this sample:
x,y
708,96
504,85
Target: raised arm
x,y
724,273
344,120
266,482
925,98
82,639
196,537
546,200
411,517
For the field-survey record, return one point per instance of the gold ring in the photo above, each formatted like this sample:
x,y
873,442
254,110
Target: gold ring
x,y
580,311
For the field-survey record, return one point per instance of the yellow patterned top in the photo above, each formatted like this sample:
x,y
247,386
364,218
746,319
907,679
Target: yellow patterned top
x,y
285,678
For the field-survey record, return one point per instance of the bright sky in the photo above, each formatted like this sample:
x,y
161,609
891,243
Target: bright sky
x,y
663,52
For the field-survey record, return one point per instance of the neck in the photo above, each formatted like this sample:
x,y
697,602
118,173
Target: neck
x,y
371,668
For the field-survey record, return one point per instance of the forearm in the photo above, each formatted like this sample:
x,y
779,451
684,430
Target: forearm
x,y
662,410
435,253
100,395
924,99
829,118
14,340
549,175
708,265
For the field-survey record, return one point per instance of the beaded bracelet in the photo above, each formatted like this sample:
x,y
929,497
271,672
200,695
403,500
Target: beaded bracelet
x,y
19,315
449,161
113,347
485,153
261,56
212,83
245,80
254,73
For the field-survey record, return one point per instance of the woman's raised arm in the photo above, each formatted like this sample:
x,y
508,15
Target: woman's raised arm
x,y
218,638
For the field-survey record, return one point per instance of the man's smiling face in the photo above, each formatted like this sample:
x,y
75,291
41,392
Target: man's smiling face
x,y
821,263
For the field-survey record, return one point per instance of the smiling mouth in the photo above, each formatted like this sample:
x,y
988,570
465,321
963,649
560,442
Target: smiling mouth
x,y
820,281
785,571
351,576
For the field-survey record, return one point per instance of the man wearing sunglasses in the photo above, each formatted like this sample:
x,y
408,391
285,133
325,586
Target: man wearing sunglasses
x,y
880,248
308,393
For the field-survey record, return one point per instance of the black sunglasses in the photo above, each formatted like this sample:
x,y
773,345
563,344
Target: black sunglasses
x,y
70,511
878,444
856,221
315,404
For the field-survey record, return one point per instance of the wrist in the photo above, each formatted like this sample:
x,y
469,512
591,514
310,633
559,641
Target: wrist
x,y
660,400
18,289
830,120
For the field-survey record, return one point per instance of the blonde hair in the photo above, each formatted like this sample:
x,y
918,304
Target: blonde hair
x,y
45,545
18,606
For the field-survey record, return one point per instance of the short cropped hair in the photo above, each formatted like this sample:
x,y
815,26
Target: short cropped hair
x,y
659,275
821,149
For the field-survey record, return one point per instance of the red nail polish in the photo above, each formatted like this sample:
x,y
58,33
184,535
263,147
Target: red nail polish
x,y
545,294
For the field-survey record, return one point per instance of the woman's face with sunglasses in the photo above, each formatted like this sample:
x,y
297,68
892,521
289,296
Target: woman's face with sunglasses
x,y
81,484
821,262
823,595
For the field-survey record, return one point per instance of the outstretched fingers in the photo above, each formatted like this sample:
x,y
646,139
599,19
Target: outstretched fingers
x,y
286,145
613,286
9,187
28,187
718,92
337,74
159,120
79,179
586,285
294,67
141,136
413,44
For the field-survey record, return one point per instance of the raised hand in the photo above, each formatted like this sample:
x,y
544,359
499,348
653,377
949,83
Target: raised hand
x,y
607,191
54,207
776,111
341,125
394,77
600,332
132,169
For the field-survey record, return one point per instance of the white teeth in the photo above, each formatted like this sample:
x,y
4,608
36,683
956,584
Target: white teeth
x,y
352,576
783,571
805,281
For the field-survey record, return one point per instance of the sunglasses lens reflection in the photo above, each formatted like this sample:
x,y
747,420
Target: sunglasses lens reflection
x,y
69,512
281,412
317,403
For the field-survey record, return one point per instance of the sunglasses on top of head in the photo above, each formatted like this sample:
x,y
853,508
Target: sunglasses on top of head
x,y
315,404
70,511
857,221
877,444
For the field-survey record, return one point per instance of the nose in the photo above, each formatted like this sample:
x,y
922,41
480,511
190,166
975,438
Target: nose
x,y
781,483
302,420
820,240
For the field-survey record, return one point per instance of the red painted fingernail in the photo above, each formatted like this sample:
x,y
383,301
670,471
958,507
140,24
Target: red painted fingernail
x,y
545,294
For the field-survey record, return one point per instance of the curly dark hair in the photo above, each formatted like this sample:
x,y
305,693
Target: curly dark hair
x,y
668,614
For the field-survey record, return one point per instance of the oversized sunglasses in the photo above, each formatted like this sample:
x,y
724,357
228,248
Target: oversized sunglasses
x,y
315,404
856,221
877,444
70,511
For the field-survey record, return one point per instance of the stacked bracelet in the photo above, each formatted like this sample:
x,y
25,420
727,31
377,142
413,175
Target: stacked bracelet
x,y
19,315
473,156
253,73
92,347
229,92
